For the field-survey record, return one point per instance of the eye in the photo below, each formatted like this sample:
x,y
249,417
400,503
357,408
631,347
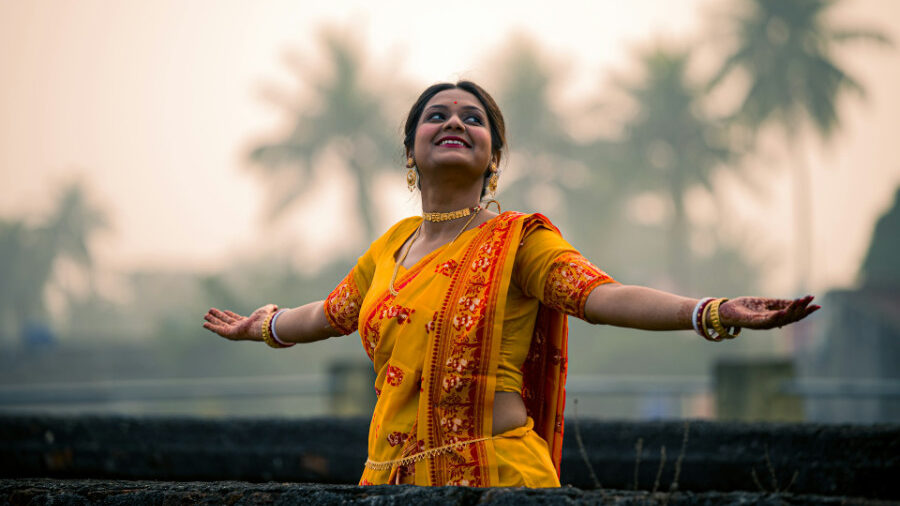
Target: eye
x,y
474,119
435,116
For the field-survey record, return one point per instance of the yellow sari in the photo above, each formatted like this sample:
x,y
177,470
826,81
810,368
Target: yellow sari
x,y
436,349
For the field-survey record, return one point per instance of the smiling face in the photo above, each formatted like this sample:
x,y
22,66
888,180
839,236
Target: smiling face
x,y
453,137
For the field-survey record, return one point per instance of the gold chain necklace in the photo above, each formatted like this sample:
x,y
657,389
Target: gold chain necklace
x,y
393,290
452,215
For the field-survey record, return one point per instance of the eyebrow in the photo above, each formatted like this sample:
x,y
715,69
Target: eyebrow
x,y
465,108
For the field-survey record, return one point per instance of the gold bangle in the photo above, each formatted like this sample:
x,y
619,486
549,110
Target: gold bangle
x,y
266,335
704,327
716,321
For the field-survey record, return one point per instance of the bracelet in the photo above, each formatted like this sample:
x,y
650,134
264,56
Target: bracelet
x,y
266,335
706,334
275,334
716,321
695,314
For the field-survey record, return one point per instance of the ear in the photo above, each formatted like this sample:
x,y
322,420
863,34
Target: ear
x,y
496,158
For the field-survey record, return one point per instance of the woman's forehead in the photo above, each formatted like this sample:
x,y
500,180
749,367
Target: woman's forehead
x,y
454,96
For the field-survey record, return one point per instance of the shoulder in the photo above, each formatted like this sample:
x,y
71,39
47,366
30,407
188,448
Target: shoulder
x,y
538,221
540,236
529,222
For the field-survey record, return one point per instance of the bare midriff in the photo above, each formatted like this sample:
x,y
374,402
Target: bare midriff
x,y
509,412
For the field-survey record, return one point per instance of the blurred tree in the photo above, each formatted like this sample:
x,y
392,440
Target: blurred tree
x,y
552,172
28,256
669,145
345,114
786,48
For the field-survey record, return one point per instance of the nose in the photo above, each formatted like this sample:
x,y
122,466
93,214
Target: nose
x,y
454,123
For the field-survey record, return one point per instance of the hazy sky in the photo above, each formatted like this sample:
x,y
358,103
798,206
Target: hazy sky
x,y
155,105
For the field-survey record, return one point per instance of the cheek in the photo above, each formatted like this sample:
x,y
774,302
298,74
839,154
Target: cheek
x,y
484,141
425,132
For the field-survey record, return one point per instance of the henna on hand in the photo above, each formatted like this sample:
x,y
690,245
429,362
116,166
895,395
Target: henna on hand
x,y
235,327
765,313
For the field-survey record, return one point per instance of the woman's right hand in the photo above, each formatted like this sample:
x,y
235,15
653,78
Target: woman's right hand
x,y
235,327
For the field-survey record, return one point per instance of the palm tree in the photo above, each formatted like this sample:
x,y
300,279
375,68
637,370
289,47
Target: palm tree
x,y
28,255
669,145
547,162
346,114
787,50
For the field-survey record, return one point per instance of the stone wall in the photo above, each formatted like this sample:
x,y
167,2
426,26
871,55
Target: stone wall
x,y
105,492
804,459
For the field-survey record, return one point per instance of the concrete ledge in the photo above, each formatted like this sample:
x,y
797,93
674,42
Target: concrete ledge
x,y
77,492
824,460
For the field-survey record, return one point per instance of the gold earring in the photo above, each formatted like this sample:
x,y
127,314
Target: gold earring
x,y
492,182
412,178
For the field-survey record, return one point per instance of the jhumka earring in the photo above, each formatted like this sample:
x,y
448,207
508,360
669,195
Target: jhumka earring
x,y
412,178
492,182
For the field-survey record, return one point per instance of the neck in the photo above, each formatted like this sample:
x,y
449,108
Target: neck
x,y
434,201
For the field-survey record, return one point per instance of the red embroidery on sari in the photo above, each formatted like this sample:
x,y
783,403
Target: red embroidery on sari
x,y
460,354
402,314
570,281
452,383
397,438
544,378
394,375
342,306
446,268
429,327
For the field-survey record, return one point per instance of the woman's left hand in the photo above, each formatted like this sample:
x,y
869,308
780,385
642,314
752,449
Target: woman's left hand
x,y
763,313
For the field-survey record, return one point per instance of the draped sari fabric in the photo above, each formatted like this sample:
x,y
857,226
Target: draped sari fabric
x,y
436,347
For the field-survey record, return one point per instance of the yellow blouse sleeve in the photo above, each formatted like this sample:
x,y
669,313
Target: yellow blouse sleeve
x,y
343,304
549,269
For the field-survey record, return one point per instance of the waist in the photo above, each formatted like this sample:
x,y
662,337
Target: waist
x,y
440,450
509,412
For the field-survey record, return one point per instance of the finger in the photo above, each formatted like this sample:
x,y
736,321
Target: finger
x,y
227,316
219,319
212,318
233,315
218,314
811,309
797,310
799,306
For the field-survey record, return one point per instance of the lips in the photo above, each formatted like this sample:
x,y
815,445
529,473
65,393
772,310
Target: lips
x,y
452,142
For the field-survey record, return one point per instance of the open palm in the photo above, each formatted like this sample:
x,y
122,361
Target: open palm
x,y
765,313
235,327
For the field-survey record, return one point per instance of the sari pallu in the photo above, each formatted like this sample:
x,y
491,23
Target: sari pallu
x,y
436,346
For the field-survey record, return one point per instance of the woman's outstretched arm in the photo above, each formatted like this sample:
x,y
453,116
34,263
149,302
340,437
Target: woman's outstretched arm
x,y
303,324
645,308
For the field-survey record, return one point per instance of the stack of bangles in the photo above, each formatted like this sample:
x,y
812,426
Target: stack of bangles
x,y
268,331
709,308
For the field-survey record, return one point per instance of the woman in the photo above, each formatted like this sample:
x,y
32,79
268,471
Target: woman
x,y
463,312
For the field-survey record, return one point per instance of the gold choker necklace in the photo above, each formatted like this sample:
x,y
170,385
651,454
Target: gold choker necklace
x,y
415,236
452,215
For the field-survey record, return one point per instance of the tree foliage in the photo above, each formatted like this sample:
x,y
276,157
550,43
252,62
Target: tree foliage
x,y
29,253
